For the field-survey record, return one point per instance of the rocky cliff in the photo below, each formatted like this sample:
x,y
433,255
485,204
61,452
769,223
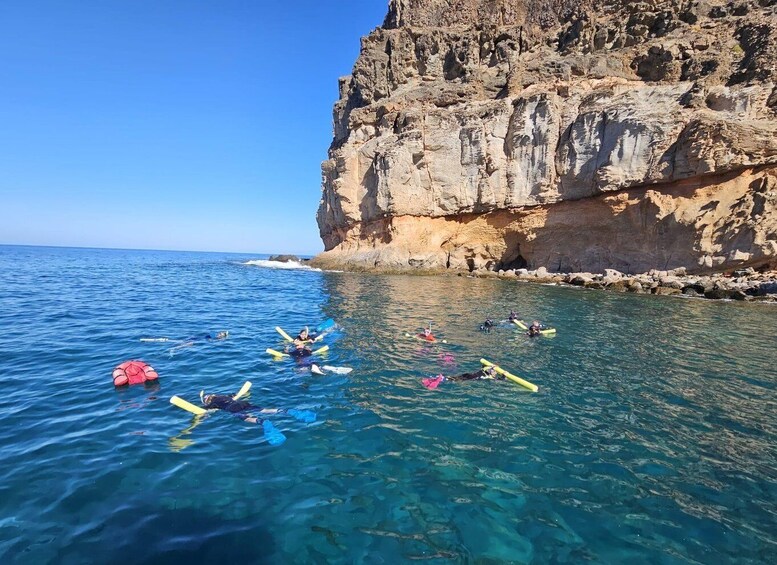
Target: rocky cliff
x,y
573,135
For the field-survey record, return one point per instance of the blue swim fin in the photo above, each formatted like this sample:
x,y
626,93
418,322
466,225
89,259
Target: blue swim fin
x,y
273,434
306,416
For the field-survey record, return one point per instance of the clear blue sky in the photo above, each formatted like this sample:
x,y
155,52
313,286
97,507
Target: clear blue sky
x,y
192,125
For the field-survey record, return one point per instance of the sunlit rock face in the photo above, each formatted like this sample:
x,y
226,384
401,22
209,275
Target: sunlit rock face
x,y
571,135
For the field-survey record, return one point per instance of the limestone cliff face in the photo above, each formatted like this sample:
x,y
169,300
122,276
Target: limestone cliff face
x,y
572,135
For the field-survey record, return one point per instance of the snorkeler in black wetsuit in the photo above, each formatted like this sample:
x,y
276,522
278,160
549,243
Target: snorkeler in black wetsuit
x,y
484,373
240,409
237,407
487,325
206,337
304,336
300,344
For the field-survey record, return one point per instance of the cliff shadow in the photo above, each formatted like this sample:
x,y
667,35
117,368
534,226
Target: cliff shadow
x,y
373,230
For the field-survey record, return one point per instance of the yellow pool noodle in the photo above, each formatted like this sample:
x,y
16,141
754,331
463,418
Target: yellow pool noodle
x,y
188,406
285,336
519,380
243,390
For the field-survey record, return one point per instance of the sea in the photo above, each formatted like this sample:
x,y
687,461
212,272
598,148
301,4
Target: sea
x,y
652,437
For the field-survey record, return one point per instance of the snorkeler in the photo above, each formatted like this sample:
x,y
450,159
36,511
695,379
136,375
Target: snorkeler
x,y
427,334
299,349
485,373
240,408
300,344
303,336
487,325
535,329
191,340
207,337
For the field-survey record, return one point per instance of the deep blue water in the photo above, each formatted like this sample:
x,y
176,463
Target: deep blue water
x,y
653,438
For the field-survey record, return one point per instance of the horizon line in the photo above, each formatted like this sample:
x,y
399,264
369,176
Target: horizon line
x,y
151,249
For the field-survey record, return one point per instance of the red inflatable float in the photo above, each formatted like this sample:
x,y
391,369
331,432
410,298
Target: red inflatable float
x,y
133,373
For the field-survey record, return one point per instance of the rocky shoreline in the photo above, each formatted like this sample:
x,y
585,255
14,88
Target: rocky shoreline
x,y
745,285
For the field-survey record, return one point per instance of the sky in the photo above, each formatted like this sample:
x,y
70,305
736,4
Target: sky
x,y
164,124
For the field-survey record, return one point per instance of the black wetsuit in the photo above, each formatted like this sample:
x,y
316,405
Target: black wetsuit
x,y
229,404
200,337
300,353
487,325
481,374
225,402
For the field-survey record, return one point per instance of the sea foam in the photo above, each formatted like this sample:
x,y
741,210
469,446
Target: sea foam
x,y
290,265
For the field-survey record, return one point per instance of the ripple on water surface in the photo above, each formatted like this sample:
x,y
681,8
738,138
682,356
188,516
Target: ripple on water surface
x,y
652,437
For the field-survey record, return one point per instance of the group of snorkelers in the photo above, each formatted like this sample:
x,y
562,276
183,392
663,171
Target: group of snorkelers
x,y
242,409
532,330
253,413
300,349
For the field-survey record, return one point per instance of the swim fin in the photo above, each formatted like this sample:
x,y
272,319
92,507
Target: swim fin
x,y
433,383
337,370
273,434
306,416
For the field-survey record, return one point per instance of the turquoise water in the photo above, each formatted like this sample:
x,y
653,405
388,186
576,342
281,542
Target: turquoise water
x,y
652,439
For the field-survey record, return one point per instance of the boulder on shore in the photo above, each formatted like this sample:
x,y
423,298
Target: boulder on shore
x,y
284,258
